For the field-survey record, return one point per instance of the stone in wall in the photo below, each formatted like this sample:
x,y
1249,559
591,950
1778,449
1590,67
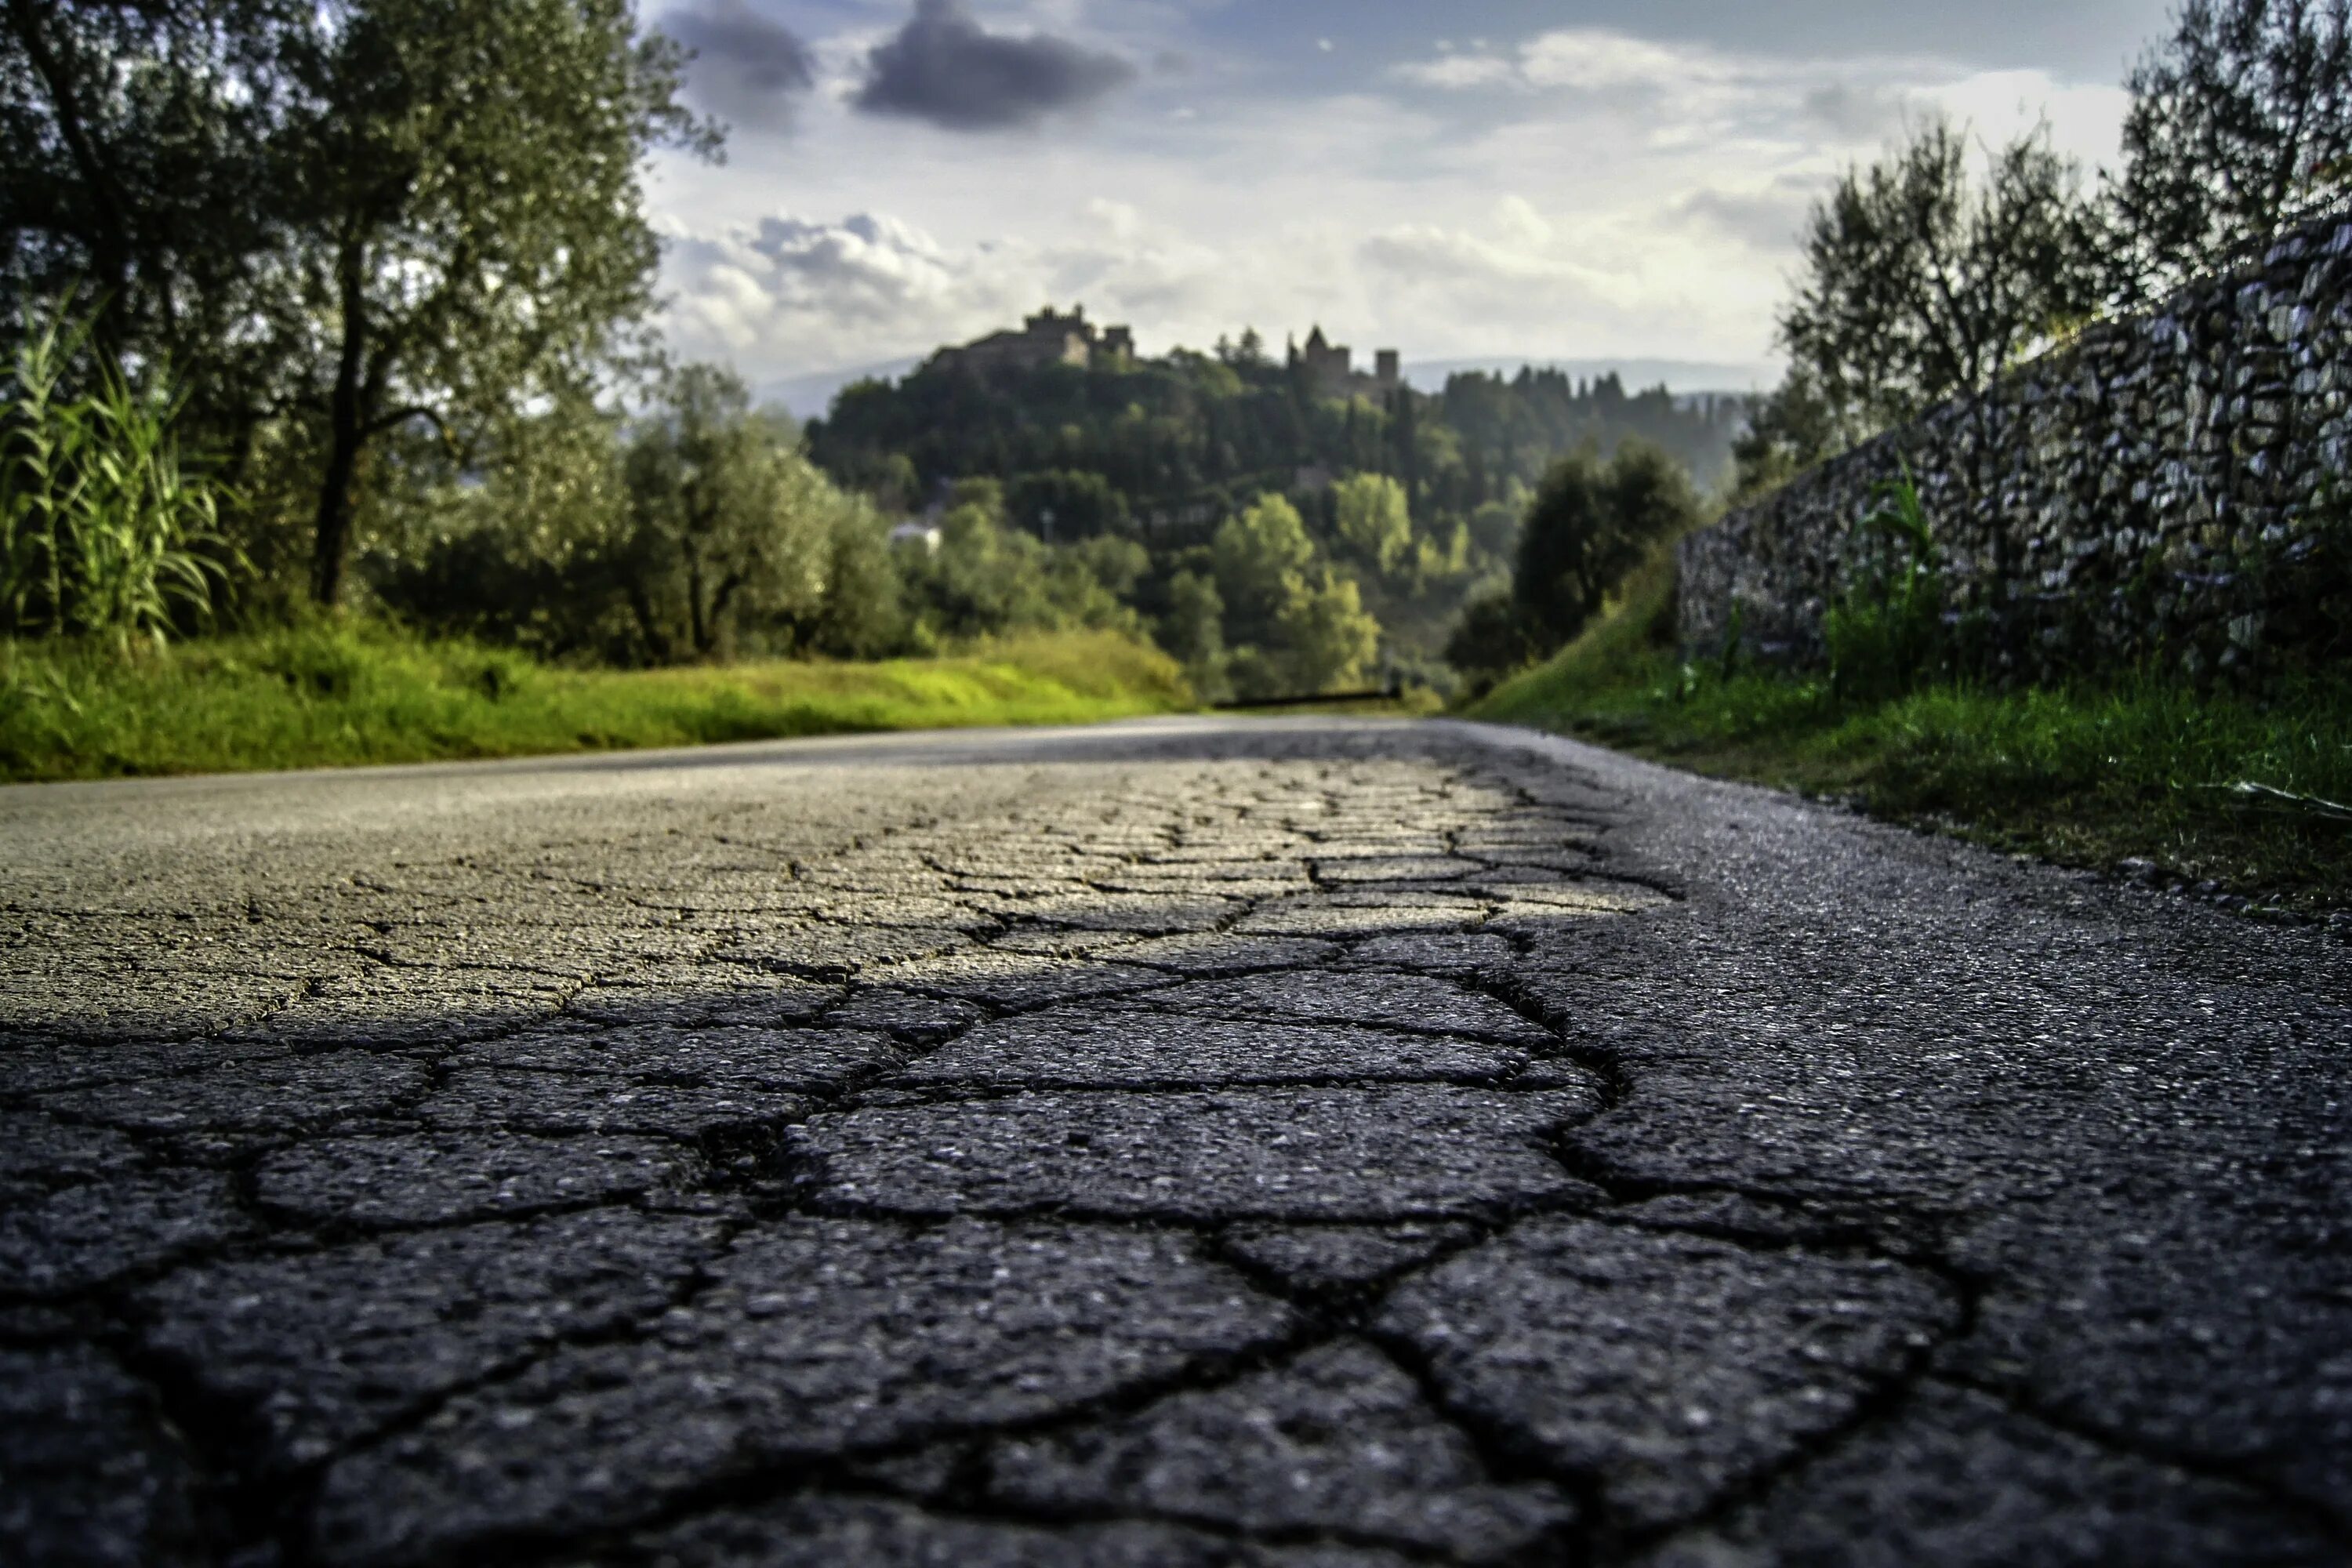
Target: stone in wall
x,y
2164,488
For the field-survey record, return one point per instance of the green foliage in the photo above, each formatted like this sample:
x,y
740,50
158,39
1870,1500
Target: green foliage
x,y
1063,504
1193,631
1260,557
988,578
1591,523
347,221
103,532
1294,625
1490,640
2240,126
344,694
2089,773
1375,522
703,533
1886,634
1795,425
1922,281
1417,497
145,167
1323,641
725,525
1495,526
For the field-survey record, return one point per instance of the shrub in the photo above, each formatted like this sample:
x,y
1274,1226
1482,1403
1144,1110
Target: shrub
x,y
1885,633
1490,641
103,530
1591,523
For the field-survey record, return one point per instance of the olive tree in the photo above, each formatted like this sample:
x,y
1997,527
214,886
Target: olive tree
x,y
2240,125
472,224
1591,523
729,530
145,145
1923,279
338,219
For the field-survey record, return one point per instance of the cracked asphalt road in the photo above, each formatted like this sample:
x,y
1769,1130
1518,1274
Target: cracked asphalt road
x,y
1300,1144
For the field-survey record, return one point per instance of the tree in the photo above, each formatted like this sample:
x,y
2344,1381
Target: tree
x,y
2240,125
144,149
1324,639
725,527
1294,624
340,219
1591,524
472,227
1490,640
1257,558
1193,631
1922,283
528,553
1792,427
984,577
1374,520
1059,505
1495,527
864,614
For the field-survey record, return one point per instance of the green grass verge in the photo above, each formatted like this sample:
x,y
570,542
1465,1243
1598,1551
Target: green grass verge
x,y
2137,769
356,694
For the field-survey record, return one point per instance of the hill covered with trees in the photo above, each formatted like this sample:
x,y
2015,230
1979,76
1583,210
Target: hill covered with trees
x,y
1409,500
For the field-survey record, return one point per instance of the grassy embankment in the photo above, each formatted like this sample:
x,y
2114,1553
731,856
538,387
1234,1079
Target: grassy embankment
x,y
2138,769
331,696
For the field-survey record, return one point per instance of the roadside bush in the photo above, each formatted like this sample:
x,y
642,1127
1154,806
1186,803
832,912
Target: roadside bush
x,y
1490,641
1591,524
1885,633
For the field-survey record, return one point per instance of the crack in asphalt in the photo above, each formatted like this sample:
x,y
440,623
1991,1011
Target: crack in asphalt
x,y
1690,1270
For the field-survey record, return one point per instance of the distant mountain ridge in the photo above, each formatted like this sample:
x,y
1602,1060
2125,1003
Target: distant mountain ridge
x,y
811,396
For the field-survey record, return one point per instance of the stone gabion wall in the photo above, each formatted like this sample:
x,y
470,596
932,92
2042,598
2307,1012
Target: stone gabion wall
x,y
2167,485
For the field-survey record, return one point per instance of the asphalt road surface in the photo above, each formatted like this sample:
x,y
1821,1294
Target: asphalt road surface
x,y
1320,1144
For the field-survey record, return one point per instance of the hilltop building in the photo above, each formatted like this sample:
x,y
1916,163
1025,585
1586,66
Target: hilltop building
x,y
1331,372
1049,337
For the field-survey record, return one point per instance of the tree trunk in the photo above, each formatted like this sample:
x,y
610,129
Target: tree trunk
x,y
640,604
347,420
109,237
697,625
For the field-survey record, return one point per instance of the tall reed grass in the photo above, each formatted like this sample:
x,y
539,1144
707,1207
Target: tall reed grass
x,y
105,531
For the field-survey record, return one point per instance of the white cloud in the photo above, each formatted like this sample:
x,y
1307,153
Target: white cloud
x,y
1685,92
1453,70
1594,59
792,291
1587,191
1582,59
792,294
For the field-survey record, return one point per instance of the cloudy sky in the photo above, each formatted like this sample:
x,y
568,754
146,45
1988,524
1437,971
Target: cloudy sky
x,y
1571,179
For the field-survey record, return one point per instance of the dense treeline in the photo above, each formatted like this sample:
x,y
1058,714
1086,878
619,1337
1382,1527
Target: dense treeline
x,y
1166,434
1173,452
